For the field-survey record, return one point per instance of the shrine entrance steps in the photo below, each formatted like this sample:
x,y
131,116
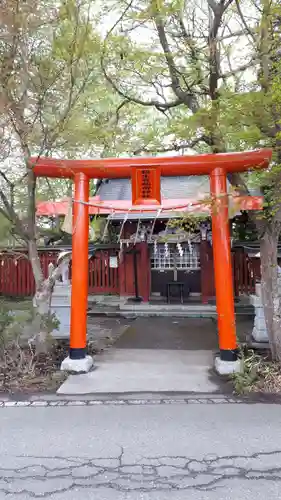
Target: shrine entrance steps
x,y
114,306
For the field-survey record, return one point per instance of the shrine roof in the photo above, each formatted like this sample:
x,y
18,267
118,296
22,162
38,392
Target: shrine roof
x,y
171,188
117,192
183,187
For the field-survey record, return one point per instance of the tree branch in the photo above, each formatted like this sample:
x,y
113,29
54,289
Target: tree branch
x,y
174,147
241,15
240,69
11,215
188,97
213,5
153,102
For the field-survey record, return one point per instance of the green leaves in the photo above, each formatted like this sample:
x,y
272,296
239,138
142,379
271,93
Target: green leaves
x,y
5,229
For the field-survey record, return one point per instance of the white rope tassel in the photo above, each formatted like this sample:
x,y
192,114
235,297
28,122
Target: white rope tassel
x,y
122,226
106,226
137,232
154,222
155,247
180,250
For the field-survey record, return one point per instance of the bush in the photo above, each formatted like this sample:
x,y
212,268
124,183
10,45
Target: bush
x,y
23,366
6,321
258,373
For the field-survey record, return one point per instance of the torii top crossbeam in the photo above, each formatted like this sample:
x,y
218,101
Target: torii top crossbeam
x,y
169,165
146,187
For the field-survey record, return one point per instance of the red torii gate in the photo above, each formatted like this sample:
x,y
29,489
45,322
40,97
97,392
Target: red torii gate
x,y
146,174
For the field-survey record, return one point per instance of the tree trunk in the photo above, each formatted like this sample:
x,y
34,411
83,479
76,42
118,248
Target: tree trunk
x,y
35,263
270,293
44,323
41,301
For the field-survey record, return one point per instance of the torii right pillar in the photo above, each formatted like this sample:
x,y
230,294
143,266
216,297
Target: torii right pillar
x,y
228,361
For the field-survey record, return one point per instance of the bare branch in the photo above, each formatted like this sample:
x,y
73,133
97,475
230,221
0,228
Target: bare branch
x,y
240,69
153,102
6,178
186,97
241,15
227,4
173,147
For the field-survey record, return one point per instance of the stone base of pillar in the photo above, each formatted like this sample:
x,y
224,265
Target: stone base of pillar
x,y
77,365
227,367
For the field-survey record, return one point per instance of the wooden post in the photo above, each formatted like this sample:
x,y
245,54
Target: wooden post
x,y
223,267
80,277
144,271
204,271
122,274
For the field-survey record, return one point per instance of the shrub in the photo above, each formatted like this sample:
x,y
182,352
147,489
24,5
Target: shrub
x,y
258,373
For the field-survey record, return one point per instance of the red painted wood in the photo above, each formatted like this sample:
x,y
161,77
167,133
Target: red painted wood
x,y
111,168
122,274
144,274
205,275
129,275
246,272
222,261
102,278
17,280
208,272
146,190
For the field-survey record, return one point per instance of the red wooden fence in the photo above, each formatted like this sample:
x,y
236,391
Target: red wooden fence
x,y
103,279
16,277
246,272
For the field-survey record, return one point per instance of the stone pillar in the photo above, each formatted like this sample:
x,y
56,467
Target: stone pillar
x,y
60,306
259,332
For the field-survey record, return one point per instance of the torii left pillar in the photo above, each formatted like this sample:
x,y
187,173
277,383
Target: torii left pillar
x,y
78,361
228,361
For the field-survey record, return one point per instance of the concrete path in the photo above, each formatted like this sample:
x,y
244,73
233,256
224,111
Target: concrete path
x,y
154,355
104,331
145,452
144,370
188,334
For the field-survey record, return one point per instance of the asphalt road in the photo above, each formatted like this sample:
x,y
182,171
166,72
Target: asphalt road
x,y
149,452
